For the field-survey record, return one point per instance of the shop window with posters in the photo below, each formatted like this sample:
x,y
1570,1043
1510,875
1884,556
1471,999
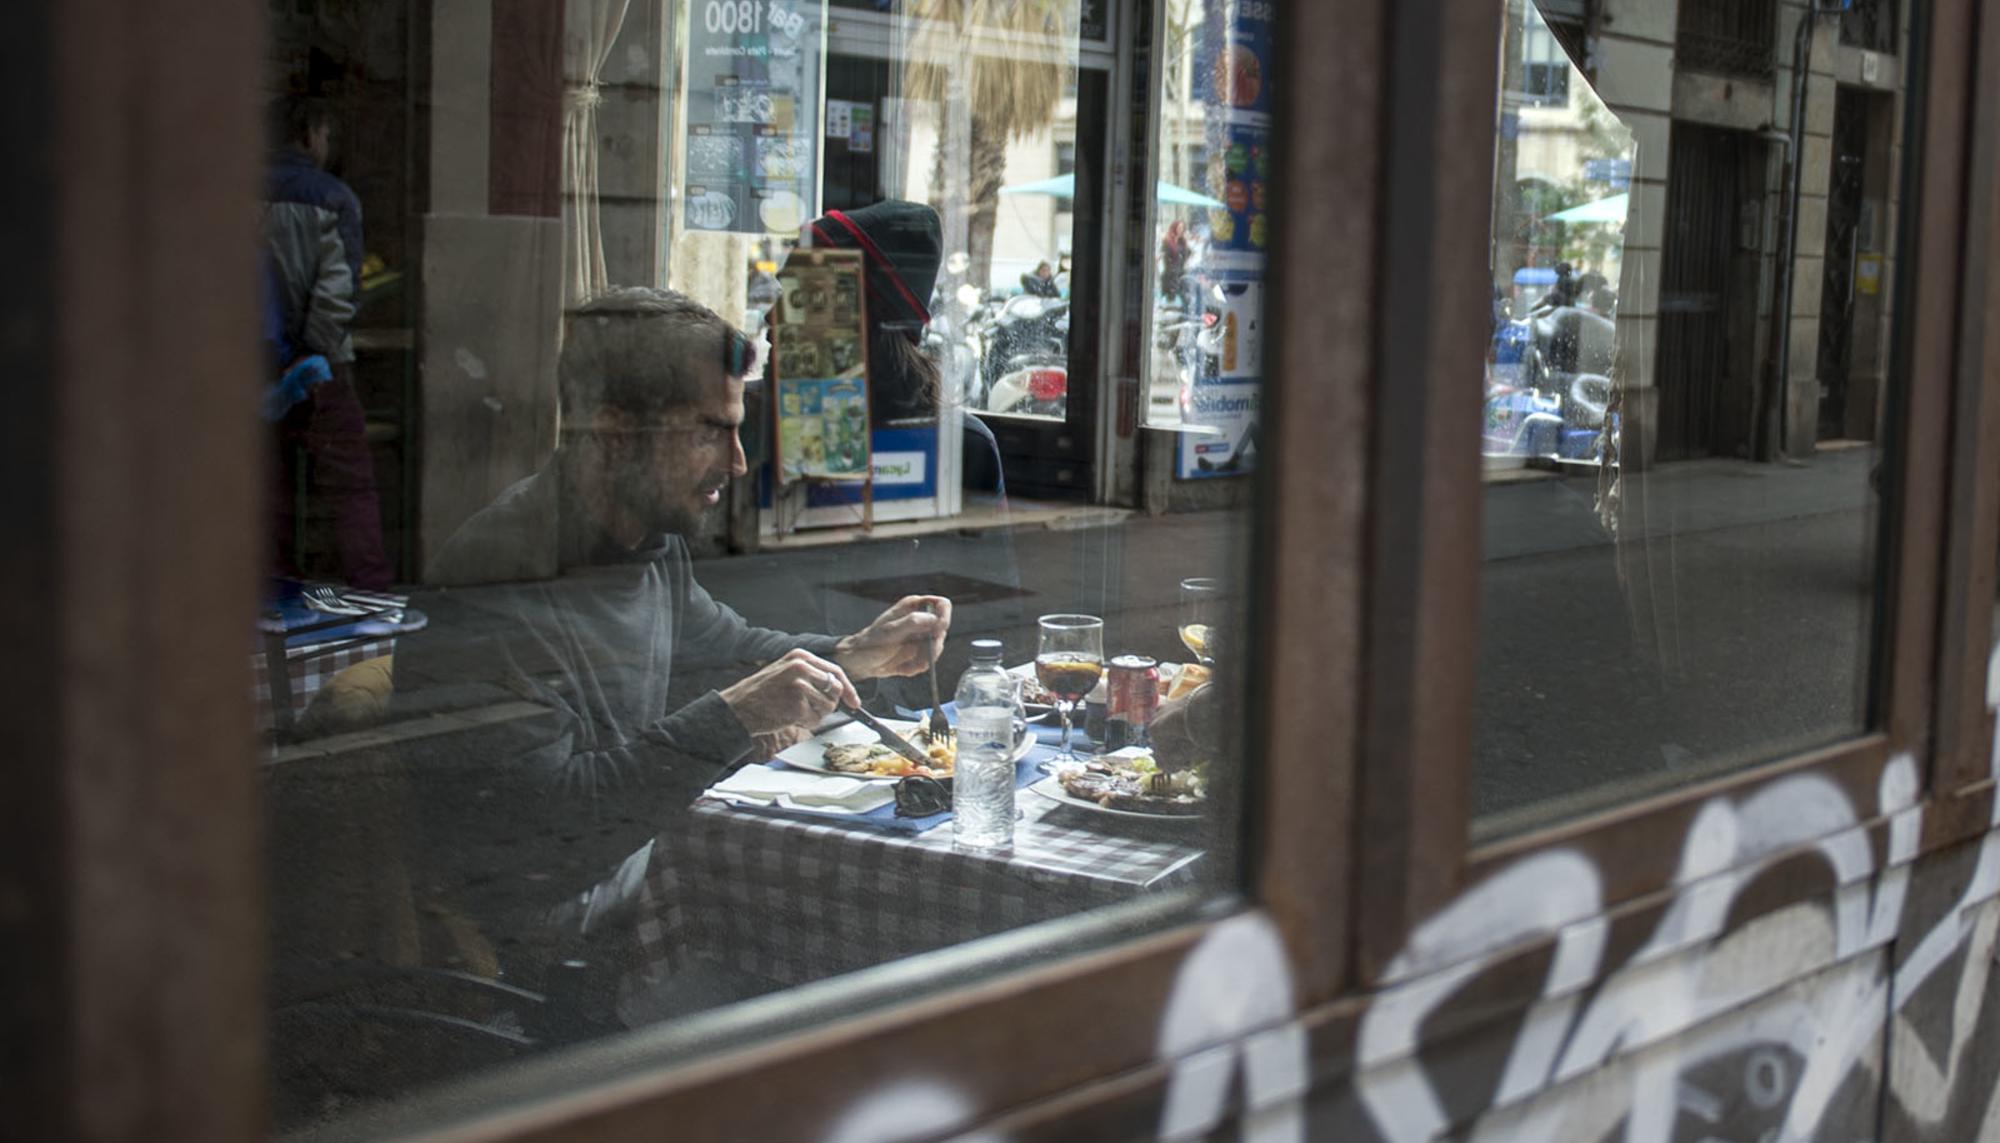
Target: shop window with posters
x,y
707,671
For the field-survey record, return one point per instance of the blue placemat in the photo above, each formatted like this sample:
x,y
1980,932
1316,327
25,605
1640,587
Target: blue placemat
x,y
286,610
1027,772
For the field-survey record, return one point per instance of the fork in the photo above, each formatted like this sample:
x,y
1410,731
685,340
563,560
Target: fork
x,y
322,597
940,726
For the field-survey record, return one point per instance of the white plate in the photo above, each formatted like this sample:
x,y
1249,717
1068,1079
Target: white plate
x,y
774,785
811,754
1051,788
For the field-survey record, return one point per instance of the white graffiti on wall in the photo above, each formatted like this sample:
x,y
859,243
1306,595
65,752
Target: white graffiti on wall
x,y
1232,1008
1687,973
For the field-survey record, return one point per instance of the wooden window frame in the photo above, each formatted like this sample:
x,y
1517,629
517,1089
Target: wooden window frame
x,y
130,869
149,910
145,911
1420,670
1965,723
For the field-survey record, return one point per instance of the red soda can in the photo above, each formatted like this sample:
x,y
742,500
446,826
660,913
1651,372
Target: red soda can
x,y
1132,687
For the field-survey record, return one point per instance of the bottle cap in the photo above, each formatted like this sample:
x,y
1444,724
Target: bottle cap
x,y
986,648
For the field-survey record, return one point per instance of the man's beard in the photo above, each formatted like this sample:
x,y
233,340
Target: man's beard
x,y
680,516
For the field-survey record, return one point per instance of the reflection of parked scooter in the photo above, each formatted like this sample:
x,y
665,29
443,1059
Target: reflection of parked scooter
x,y
1026,358
1566,340
955,336
1187,347
1549,385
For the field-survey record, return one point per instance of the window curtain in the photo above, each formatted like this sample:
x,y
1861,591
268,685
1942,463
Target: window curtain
x,y
590,27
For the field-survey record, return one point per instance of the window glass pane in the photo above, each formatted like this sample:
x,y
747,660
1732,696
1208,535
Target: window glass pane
x,y
651,380
1686,394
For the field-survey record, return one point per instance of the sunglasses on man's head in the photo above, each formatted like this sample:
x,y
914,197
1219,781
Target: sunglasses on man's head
x,y
738,354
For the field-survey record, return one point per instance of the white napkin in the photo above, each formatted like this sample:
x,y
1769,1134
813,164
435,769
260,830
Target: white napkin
x,y
768,785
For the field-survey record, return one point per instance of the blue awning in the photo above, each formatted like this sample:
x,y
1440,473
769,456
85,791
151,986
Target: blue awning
x,y
1064,186
1608,209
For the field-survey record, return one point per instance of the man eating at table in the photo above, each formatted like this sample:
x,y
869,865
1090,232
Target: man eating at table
x,y
652,392
652,387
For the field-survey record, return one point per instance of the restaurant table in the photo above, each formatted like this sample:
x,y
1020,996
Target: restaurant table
x,y
792,898
314,647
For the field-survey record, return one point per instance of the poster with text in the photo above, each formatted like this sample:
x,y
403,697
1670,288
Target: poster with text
x,y
861,133
1220,436
820,366
753,114
1232,74
1231,69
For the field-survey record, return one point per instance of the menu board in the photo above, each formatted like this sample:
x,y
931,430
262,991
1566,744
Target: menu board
x,y
1231,65
753,107
819,362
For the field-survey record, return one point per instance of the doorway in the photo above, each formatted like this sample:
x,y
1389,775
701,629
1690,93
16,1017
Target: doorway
x,y
1850,362
1708,287
1050,458
852,167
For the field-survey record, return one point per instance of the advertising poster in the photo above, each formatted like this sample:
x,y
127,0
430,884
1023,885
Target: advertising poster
x,y
1231,61
820,363
861,129
752,107
838,118
1221,438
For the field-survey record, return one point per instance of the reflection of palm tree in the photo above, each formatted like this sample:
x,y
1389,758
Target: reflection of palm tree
x,y
1012,86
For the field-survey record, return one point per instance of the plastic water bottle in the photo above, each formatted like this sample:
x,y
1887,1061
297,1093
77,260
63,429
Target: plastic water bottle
x,y
989,710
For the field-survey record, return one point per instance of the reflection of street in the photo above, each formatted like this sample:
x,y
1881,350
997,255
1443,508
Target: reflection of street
x,y
1739,630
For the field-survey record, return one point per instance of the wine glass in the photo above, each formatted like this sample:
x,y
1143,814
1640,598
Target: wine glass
x,y
1069,659
1199,599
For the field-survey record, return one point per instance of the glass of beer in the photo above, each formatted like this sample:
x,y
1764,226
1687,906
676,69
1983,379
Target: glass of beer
x,y
1069,659
1198,605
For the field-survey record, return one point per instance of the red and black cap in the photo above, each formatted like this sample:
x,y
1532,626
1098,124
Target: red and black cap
x,y
902,242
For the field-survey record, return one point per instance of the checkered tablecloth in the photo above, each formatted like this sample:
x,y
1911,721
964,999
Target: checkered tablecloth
x,y
310,666
327,646
794,900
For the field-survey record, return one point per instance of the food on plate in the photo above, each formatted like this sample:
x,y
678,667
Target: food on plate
x,y
1032,691
878,760
1136,785
1187,680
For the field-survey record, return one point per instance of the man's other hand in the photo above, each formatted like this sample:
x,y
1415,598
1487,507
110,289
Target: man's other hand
x,y
795,691
902,641
1186,731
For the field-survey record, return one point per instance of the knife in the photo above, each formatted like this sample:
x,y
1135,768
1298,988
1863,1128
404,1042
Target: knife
x,y
889,737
